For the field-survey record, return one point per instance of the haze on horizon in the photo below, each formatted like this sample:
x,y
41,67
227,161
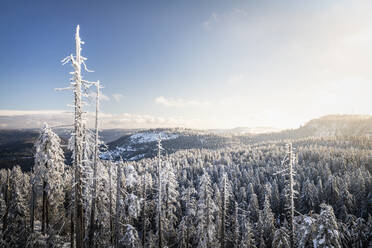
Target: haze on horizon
x,y
195,64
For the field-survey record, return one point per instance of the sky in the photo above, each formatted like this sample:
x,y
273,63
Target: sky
x,y
195,64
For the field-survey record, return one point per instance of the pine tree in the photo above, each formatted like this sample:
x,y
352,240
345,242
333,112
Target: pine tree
x,y
236,226
224,205
247,240
118,205
281,238
268,222
186,230
206,228
306,230
17,231
327,234
48,171
170,200
130,238
253,208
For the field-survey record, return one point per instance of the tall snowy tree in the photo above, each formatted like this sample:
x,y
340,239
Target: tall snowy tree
x,y
247,240
170,200
206,227
186,229
236,226
268,224
160,199
77,83
281,238
253,208
327,234
290,160
225,187
130,238
48,170
92,226
17,231
119,206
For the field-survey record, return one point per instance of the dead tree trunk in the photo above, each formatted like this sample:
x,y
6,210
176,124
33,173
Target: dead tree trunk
x,y
79,215
94,190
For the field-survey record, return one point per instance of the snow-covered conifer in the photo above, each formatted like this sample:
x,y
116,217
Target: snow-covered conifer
x,y
130,238
327,234
206,228
281,238
48,171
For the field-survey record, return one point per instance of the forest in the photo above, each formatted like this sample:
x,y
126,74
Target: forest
x,y
291,192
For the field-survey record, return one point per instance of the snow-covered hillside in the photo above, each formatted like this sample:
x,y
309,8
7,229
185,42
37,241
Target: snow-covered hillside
x,y
146,137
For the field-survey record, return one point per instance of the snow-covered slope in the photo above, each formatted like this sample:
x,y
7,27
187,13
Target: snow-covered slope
x,y
142,144
147,137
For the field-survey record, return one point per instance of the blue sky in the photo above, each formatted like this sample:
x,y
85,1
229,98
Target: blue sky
x,y
202,64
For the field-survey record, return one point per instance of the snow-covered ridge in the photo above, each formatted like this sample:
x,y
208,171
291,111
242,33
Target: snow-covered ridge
x,y
134,150
147,137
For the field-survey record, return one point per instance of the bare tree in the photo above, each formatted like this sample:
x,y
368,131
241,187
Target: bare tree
x,y
290,158
94,189
76,85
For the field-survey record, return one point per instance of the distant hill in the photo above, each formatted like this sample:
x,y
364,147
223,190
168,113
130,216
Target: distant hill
x,y
16,146
143,144
326,126
129,148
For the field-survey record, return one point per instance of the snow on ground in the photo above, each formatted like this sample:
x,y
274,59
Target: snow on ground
x,y
137,138
147,137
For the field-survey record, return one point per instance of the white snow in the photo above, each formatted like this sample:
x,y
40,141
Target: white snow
x,y
308,220
138,138
147,137
139,156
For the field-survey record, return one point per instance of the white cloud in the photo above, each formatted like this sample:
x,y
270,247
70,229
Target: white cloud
x,y
117,97
102,97
14,119
179,102
211,20
4,112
